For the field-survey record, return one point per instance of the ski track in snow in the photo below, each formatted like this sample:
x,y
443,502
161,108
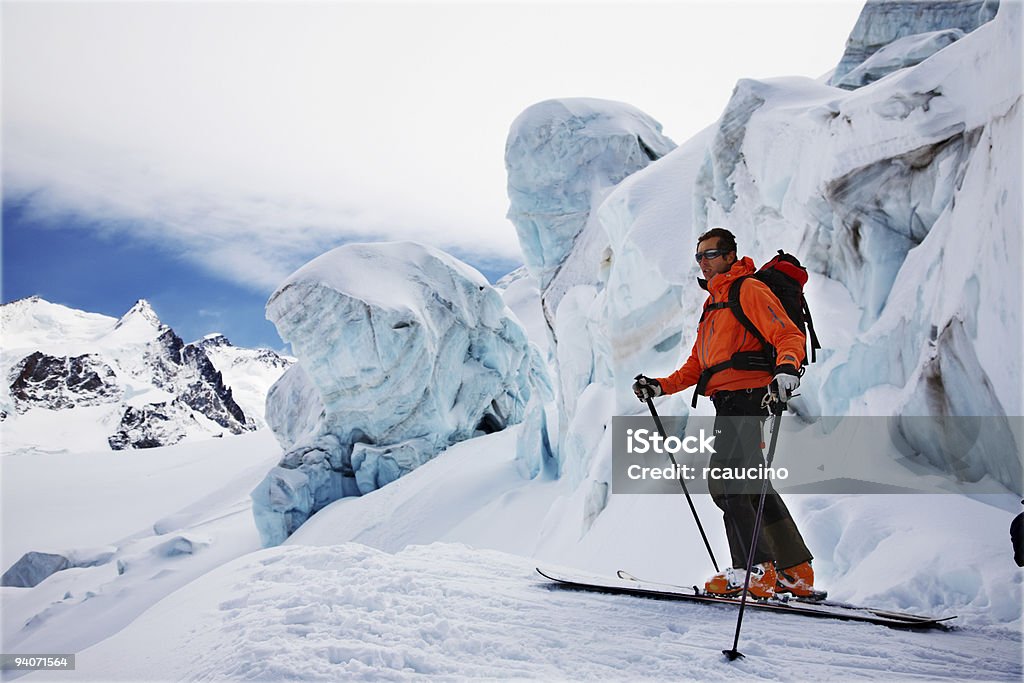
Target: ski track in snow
x,y
449,611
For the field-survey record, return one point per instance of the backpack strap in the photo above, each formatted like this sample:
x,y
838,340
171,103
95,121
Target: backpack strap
x,y
810,328
741,360
737,310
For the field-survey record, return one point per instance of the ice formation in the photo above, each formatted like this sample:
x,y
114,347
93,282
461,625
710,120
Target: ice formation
x,y
402,351
882,23
562,156
903,197
906,192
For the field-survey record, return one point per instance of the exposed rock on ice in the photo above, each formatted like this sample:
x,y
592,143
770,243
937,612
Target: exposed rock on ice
x,y
152,425
402,351
59,383
33,568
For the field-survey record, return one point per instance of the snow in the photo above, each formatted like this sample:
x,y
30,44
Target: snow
x,y
401,582
452,612
147,523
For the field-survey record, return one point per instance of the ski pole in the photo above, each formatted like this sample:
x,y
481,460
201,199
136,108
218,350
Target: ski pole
x,y
696,518
777,407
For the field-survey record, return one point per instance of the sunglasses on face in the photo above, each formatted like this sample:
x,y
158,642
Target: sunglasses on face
x,y
709,254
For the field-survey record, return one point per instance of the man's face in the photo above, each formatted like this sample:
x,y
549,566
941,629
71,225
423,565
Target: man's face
x,y
722,262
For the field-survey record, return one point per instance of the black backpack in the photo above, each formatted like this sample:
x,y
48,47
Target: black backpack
x,y
786,277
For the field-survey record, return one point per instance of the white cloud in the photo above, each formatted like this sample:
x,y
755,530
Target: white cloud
x,y
254,136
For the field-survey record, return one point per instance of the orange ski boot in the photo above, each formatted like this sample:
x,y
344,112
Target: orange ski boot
x,y
798,581
729,583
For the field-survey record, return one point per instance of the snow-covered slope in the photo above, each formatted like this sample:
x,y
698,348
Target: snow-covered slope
x,y
77,381
133,530
404,582
450,612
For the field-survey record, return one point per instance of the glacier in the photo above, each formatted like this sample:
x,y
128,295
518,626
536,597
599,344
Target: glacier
x,y
402,351
883,24
899,54
869,185
902,196
561,157
906,192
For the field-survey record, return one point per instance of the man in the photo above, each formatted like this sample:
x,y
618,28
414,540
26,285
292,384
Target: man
x,y
738,386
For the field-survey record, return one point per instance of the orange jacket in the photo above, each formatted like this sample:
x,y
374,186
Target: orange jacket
x,y
721,335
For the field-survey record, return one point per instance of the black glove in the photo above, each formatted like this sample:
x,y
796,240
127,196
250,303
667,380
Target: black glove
x,y
644,387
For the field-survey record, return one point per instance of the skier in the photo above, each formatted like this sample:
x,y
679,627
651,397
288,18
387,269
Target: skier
x,y
782,562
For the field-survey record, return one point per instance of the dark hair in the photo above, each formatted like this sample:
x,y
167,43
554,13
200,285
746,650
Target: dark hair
x,y
726,240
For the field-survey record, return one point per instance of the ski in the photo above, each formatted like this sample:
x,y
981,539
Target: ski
x,y
791,599
816,598
659,591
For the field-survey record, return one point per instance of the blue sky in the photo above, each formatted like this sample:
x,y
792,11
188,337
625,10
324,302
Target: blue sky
x,y
71,260
196,153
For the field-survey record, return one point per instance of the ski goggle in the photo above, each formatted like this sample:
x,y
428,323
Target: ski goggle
x,y
709,254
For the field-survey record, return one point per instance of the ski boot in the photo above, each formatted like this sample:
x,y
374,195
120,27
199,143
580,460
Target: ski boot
x,y
798,582
729,583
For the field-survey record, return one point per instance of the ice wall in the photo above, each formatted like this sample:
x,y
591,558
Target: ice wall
x,y
908,192
903,197
402,351
882,23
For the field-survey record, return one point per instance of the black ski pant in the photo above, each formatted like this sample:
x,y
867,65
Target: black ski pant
x,y
738,444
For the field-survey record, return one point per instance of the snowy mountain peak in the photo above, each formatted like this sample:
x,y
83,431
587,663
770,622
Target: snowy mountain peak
x,y
212,340
132,375
34,323
141,312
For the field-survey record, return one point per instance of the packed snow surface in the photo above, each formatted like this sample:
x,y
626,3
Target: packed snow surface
x,y
404,582
452,612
